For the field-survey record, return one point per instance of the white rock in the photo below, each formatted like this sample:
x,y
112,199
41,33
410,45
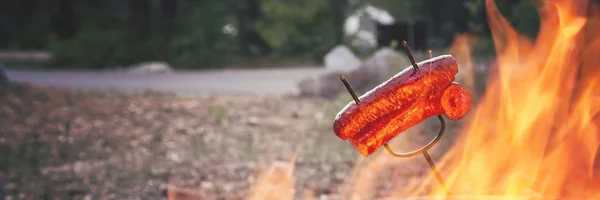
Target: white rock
x,y
351,24
379,15
377,68
252,121
340,58
364,41
150,68
373,71
384,59
175,157
366,17
384,53
207,185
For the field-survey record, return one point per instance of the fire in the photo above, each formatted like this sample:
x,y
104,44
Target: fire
x,y
274,183
535,131
461,51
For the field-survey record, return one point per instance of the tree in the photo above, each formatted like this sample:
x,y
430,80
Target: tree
x,y
298,28
15,18
65,24
247,13
140,18
169,12
338,8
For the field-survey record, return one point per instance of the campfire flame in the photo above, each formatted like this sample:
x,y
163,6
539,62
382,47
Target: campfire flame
x,y
275,183
535,132
461,51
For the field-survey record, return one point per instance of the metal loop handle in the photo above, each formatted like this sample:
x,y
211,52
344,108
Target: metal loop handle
x,y
422,149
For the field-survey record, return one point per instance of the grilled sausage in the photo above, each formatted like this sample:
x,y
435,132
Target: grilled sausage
x,y
454,102
395,95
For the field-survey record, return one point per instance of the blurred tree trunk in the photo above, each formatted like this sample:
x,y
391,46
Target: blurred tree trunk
x,y
168,9
169,12
448,17
481,16
65,23
508,3
140,18
247,13
435,17
14,15
461,19
339,14
141,31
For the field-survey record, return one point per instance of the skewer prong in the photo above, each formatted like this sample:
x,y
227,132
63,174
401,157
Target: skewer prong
x,y
350,90
410,56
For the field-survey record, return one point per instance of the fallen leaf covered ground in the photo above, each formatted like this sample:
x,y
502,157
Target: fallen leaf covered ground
x,y
63,144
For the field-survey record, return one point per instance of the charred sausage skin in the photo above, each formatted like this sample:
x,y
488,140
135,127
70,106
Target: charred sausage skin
x,y
454,102
395,95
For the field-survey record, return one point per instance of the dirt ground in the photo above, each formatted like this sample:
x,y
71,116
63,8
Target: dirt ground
x,y
69,144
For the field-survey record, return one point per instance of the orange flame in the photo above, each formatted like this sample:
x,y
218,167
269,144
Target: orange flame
x,y
535,131
275,183
461,51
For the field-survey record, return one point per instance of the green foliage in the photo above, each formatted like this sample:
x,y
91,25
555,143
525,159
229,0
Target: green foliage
x,y
91,47
300,28
525,18
219,113
114,33
473,5
484,47
199,40
523,15
297,30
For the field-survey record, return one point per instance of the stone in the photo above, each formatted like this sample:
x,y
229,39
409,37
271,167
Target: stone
x,y
363,41
385,63
207,185
379,67
341,58
327,86
149,68
361,26
252,121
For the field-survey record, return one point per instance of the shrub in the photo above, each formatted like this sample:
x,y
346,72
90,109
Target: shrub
x,y
91,47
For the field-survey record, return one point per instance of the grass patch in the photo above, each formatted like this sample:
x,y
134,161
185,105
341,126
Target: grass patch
x,y
218,113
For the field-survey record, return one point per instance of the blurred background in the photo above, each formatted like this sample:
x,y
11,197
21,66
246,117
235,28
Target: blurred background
x,y
207,99
250,33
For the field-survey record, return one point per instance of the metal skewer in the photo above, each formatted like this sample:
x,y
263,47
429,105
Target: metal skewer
x,y
422,150
410,56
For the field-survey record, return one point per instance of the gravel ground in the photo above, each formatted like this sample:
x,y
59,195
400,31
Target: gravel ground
x,y
63,144
234,81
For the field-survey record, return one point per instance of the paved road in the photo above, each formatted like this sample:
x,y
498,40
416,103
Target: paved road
x,y
235,81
